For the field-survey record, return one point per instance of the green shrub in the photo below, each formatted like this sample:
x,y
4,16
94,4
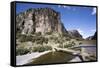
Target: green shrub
x,y
47,48
80,43
38,33
66,45
48,33
72,43
41,40
22,51
41,48
18,35
60,46
68,39
24,38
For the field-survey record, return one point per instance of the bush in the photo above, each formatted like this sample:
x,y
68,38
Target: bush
x,y
68,39
41,48
59,41
60,46
48,33
72,43
66,45
22,51
24,38
38,33
80,43
41,40
18,35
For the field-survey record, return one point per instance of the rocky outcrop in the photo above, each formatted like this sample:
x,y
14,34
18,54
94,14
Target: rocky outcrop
x,y
42,20
75,34
94,37
39,20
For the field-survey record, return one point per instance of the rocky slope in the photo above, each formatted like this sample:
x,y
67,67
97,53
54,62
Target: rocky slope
x,y
75,34
94,37
39,20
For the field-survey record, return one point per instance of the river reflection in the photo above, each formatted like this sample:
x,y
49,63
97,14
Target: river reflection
x,y
53,57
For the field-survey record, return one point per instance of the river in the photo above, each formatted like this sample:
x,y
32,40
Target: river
x,y
62,57
89,48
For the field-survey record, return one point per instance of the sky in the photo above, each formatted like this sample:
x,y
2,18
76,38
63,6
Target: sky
x,y
79,18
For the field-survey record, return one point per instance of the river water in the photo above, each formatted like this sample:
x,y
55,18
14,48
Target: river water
x,y
89,48
61,57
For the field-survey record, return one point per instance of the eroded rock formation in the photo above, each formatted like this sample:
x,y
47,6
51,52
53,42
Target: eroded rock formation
x,y
39,20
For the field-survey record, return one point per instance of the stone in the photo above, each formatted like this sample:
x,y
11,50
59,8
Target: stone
x,y
39,20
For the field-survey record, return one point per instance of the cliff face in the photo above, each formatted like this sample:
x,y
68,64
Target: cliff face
x,y
39,20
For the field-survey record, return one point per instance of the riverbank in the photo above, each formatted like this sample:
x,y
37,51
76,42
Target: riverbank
x,y
46,57
23,59
56,56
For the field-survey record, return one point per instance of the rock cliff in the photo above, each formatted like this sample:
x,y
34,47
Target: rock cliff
x,y
39,20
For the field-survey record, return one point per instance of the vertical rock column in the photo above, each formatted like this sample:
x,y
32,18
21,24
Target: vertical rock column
x,y
28,25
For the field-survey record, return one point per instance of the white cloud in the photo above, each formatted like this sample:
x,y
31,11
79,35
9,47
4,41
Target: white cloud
x,y
59,6
82,33
63,6
93,11
93,30
68,7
